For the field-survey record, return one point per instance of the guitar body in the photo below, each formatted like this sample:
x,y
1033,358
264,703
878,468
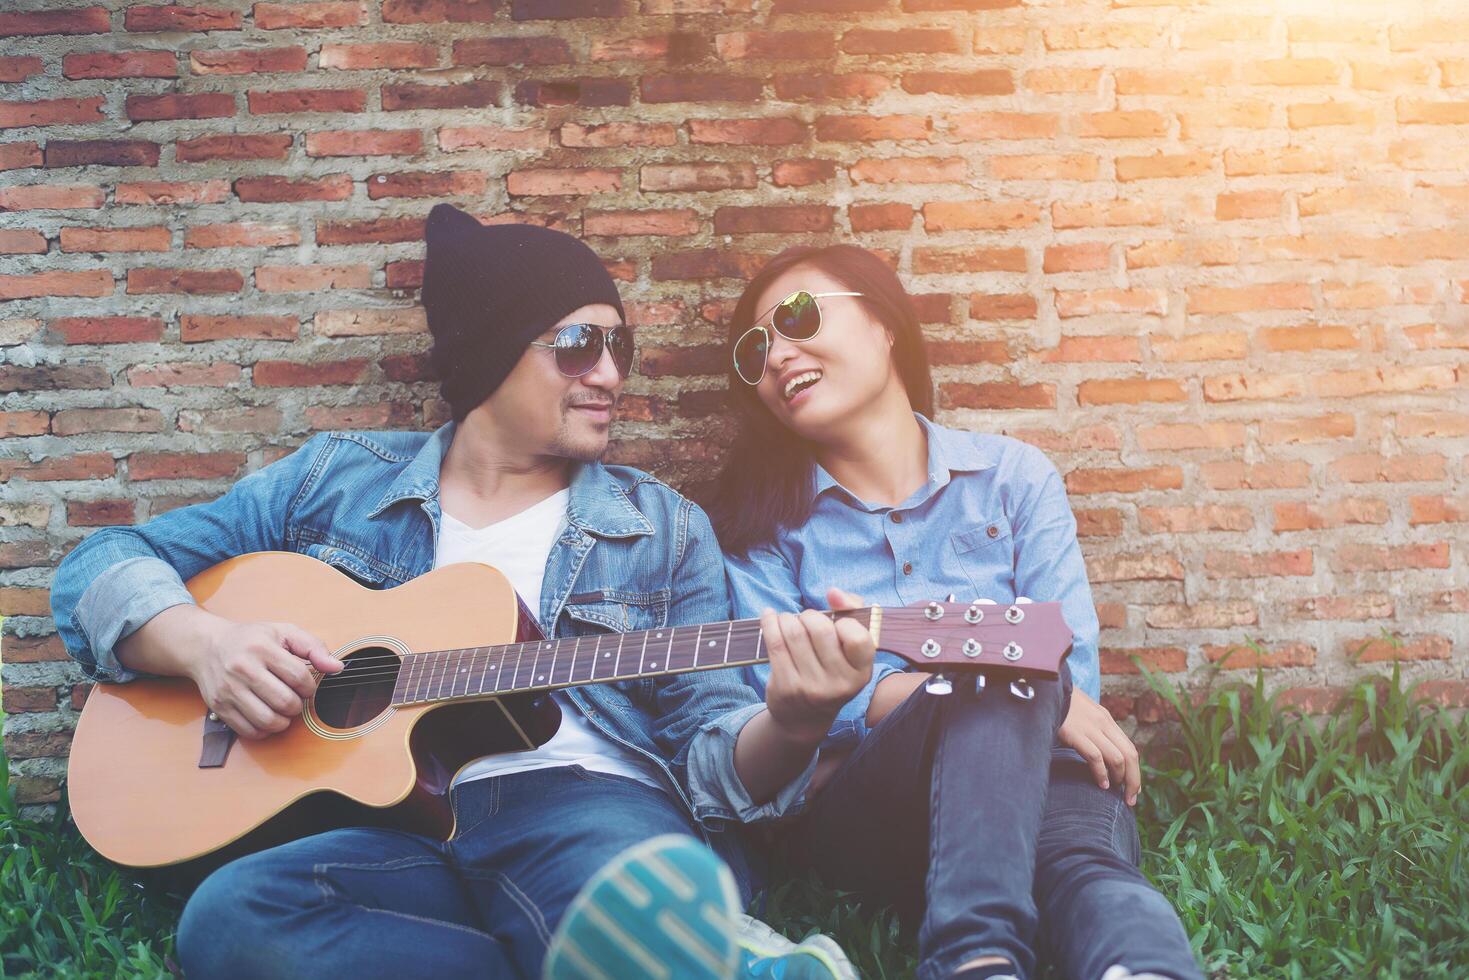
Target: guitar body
x,y
137,790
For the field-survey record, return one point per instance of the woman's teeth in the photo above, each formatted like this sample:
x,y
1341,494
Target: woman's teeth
x,y
799,382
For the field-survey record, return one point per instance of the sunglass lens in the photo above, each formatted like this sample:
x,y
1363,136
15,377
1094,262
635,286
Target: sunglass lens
x,y
578,349
797,317
749,356
619,341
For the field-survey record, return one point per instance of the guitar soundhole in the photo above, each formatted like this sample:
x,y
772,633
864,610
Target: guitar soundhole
x,y
360,692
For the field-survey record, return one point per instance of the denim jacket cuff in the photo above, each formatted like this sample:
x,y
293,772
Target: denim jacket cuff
x,y
855,712
716,785
120,601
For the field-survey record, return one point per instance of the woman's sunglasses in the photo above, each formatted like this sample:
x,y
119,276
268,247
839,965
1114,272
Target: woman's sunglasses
x,y
796,318
578,348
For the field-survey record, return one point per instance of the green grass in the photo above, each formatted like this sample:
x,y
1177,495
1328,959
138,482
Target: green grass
x,y
1292,848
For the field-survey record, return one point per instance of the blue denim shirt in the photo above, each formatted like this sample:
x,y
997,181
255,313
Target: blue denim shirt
x,y
992,522
634,554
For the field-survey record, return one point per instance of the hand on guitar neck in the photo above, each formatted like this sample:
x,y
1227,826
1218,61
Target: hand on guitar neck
x,y
253,676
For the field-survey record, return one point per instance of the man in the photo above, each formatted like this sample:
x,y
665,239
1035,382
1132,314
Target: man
x,y
532,352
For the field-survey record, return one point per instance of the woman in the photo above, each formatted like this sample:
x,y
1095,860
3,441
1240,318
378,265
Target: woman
x,y
1001,817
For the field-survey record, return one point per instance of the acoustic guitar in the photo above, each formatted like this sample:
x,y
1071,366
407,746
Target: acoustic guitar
x,y
438,672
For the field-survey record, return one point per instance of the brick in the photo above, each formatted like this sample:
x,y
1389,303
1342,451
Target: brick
x,y
265,146
364,143
21,241
618,134
120,64
1372,649
289,374
1004,125
1084,481
826,87
1192,520
194,282
1059,81
559,181
1130,391
880,217
1258,564
1127,124
1118,34
1105,214
674,222
1248,204
997,395
283,190
507,51
1191,435
929,260
438,11
775,131
1296,516
985,81
1240,299
565,9
1084,350
50,112
198,328
699,88
369,322
311,278
240,234
1238,656
940,216
1221,346
20,424
255,419
203,105
385,54
37,23
906,41
101,153
455,138
1274,432
793,218
89,282
78,421
591,92
463,95
1134,568
32,649
184,374
1202,615
696,176
1095,301
184,466
99,513
1081,257
248,61
306,100
150,239
1255,476
1372,468
707,264
309,16
50,197
79,466
1102,523
442,183
380,231
1166,660
19,155
775,45
149,19
1162,166
802,173
1045,166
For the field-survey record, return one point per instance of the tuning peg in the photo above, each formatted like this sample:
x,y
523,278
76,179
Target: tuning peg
x,y
1021,690
939,684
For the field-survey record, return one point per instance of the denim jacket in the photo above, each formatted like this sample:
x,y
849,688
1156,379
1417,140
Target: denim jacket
x,y
634,555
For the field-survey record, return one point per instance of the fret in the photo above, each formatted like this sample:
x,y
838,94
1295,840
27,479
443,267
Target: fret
x,y
538,674
759,639
504,673
445,676
489,675
643,656
599,657
515,676
569,668
477,670
698,646
400,683
617,663
728,635
458,673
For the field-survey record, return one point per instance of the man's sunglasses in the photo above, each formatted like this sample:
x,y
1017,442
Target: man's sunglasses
x,y
578,348
796,318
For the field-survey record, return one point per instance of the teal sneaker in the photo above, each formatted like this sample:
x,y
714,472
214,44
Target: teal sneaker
x,y
767,955
664,909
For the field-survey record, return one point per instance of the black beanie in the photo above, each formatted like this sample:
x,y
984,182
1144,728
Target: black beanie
x,y
489,290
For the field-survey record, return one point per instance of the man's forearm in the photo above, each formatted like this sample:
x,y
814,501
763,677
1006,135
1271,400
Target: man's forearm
x,y
767,756
169,643
890,692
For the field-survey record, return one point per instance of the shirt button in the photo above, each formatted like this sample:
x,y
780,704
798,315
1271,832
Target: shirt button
x,y
993,531
907,568
897,518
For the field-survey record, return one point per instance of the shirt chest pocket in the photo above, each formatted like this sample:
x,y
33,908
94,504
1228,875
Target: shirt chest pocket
x,y
617,611
986,555
354,566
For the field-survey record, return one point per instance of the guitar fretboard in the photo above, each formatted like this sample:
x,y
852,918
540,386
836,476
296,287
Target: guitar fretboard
x,y
510,668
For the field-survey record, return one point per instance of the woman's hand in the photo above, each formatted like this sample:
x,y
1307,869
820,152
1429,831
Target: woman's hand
x,y
816,665
1090,730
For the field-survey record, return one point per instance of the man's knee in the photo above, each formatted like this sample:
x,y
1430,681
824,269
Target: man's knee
x,y
235,918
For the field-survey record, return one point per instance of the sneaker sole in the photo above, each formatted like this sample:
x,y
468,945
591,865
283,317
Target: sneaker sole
x,y
663,909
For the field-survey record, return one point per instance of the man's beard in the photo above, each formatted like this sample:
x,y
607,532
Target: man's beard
x,y
585,450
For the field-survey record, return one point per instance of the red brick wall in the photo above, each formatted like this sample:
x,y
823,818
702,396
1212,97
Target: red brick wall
x,y
1213,259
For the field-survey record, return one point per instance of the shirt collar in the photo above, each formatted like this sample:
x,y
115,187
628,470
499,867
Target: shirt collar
x,y
949,451
598,502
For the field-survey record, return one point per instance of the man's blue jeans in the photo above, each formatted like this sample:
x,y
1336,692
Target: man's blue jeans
x,y
367,902
963,812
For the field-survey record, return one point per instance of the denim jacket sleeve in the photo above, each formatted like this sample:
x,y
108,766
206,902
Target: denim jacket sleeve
x,y
763,579
698,716
119,578
1049,568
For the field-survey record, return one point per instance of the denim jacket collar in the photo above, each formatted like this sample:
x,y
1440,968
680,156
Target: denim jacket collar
x,y
598,503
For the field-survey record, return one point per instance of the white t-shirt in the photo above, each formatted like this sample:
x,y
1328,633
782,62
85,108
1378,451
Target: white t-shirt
x,y
518,546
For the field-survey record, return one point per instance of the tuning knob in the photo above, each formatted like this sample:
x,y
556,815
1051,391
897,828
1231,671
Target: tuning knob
x,y
939,684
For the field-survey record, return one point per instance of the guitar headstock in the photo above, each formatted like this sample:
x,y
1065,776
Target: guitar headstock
x,y
1021,639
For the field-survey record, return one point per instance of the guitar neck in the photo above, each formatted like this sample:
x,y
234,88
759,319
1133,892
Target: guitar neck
x,y
539,665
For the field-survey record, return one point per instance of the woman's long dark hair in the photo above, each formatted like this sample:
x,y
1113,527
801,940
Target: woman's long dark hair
x,y
766,482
